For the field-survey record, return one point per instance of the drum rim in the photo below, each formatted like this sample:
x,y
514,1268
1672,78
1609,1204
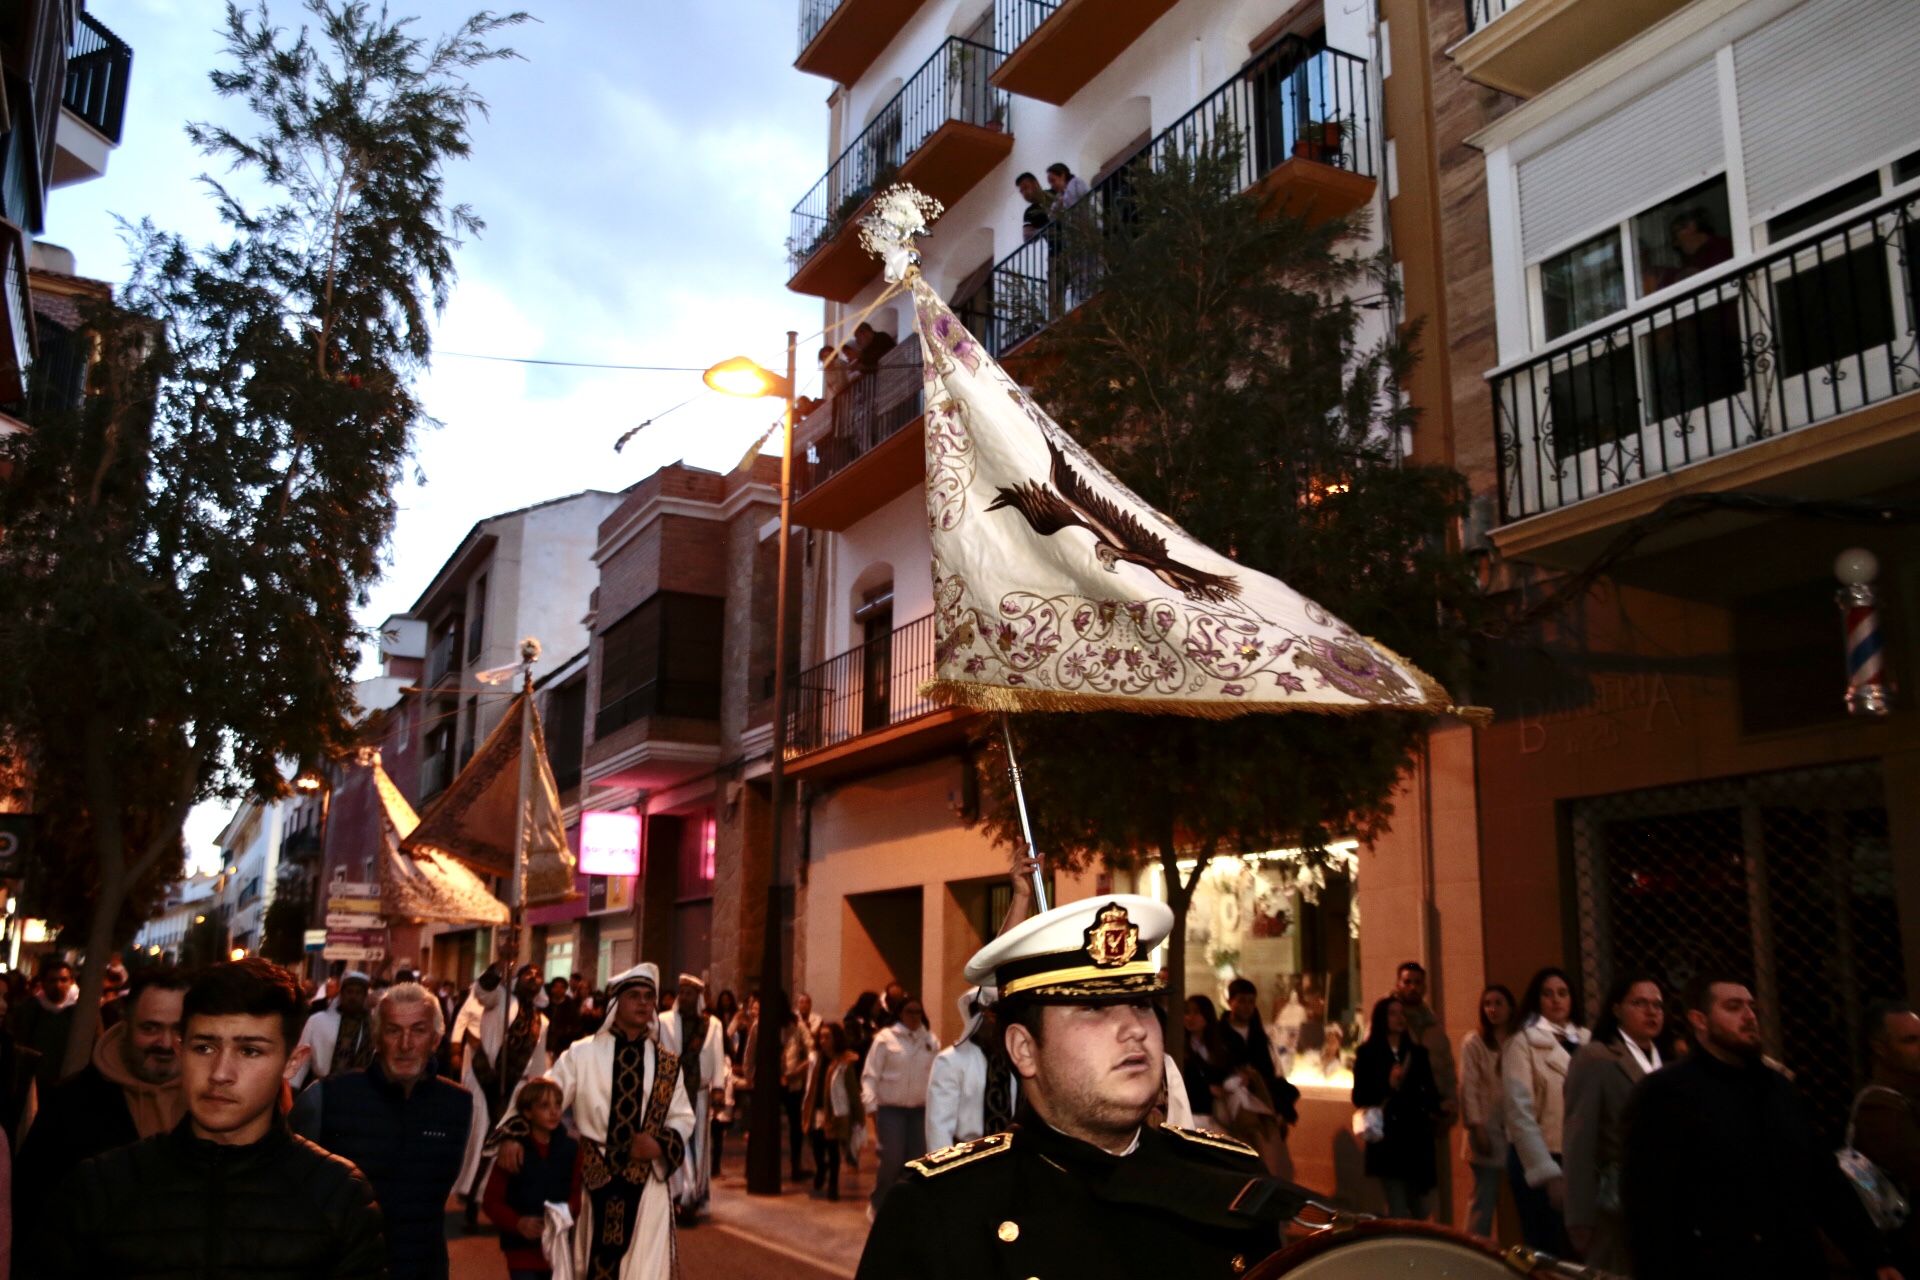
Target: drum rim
x,y
1298,1251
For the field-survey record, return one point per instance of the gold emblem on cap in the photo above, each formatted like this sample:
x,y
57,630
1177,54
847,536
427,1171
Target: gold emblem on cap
x,y
1112,939
1009,1231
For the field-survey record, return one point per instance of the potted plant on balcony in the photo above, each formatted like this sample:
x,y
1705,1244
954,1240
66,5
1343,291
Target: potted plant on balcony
x,y
1319,140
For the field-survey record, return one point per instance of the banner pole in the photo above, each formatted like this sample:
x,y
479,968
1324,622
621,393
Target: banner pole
x,y
1026,826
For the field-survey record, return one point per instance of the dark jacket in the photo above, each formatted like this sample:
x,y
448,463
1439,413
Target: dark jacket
x,y
1886,1129
410,1146
83,1116
1727,1174
547,1175
1407,1150
1255,1050
44,1031
1034,1202
175,1207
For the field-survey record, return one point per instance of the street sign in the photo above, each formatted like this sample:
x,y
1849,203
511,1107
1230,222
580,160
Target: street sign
x,y
315,939
357,937
353,889
363,906
353,920
343,952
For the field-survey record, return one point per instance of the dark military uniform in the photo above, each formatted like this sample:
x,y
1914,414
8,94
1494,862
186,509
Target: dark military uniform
x,y
1034,1203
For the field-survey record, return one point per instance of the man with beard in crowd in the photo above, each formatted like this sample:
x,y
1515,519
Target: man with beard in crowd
x,y
42,1023
130,1091
1886,1114
339,1038
629,1103
502,1052
1726,1172
694,1036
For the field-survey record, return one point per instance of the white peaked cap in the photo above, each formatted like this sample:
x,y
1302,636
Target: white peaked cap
x,y
1093,951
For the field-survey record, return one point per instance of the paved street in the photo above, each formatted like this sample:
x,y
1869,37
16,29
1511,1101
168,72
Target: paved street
x,y
788,1237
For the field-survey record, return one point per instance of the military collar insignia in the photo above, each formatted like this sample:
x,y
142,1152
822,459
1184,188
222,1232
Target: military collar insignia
x,y
1112,940
950,1158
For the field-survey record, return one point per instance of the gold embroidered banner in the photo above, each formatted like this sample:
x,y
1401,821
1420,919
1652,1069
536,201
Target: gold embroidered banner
x,y
474,818
1057,589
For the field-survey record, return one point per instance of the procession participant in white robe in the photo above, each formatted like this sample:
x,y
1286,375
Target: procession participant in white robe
x,y
501,1054
630,1106
694,1036
330,1052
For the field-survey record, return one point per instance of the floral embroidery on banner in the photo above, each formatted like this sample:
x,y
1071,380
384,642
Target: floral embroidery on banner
x,y
950,464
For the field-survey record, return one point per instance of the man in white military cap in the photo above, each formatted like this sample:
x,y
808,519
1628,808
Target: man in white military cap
x,y
1081,1184
630,1105
694,1036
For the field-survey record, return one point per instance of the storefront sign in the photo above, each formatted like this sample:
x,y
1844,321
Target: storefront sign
x,y
610,843
315,939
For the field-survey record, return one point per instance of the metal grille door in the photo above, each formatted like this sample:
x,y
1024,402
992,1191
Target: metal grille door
x,y
1786,878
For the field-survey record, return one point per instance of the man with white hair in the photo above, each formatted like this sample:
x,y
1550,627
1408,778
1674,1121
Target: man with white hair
x,y
404,1127
630,1105
339,1038
694,1036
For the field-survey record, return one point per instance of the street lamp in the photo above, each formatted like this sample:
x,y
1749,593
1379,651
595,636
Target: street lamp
x,y
740,376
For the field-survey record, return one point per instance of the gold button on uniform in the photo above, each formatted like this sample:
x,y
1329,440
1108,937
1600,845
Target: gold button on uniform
x,y
1239,1263
1009,1231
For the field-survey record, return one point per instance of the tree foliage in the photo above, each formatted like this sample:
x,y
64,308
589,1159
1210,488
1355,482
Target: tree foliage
x,y
1223,373
187,548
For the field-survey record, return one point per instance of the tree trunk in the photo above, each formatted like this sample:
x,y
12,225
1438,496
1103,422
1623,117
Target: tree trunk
x,y
1179,898
93,974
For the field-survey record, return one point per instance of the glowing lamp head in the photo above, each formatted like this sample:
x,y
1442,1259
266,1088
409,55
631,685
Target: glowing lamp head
x,y
238,953
1856,566
739,376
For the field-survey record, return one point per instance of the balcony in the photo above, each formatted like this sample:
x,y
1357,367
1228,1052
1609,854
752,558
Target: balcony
x,y
660,668
1792,364
1054,47
1525,47
839,39
943,132
16,316
99,64
864,445
443,660
866,703
436,774
1304,118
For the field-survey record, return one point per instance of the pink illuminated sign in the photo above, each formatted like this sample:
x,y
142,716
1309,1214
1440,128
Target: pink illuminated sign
x,y
610,844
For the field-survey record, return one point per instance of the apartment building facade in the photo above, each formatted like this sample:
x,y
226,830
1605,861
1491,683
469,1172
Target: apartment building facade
x,y
1665,256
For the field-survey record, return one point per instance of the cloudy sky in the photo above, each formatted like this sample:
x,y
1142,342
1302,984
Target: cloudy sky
x,y
635,177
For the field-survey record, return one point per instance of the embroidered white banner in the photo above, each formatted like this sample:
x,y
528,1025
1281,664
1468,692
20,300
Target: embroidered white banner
x,y
1057,589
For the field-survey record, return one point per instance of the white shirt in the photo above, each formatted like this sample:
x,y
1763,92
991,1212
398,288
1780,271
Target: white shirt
x,y
1649,1061
898,1066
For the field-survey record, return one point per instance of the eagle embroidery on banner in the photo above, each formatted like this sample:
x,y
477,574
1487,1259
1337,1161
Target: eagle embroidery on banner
x,y
1117,534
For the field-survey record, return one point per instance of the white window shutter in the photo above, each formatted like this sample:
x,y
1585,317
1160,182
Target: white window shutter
x,y
1660,143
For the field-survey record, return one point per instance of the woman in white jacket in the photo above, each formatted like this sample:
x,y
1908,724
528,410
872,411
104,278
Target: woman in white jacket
x,y
1533,1067
1483,1105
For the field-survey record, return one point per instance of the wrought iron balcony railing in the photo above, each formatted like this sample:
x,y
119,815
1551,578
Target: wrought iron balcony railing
x,y
949,86
869,687
1015,20
98,66
813,17
443,659
1818,327
1293,101
864,414
1481,12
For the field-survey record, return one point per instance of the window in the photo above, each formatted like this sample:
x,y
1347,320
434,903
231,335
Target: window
x,y
477,627
1584,284
1683,236
1838,300
566,728
663,658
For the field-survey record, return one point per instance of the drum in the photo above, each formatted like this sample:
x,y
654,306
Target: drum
x,y
1379,1248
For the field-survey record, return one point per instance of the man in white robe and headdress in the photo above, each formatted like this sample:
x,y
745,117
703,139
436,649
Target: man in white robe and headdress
x,y
630,1106
499,1055
695,1036
340,1037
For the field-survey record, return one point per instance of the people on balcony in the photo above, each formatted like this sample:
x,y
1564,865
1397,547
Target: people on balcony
x,y
1034,218
870,345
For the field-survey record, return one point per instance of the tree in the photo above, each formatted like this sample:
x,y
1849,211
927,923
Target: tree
x,y
185,550
283,927
1220,373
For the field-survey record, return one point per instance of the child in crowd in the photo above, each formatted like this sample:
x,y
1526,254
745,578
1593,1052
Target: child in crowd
x,y
517,1202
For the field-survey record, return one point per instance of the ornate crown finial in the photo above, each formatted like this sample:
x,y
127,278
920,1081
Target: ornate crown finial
x,y
900,214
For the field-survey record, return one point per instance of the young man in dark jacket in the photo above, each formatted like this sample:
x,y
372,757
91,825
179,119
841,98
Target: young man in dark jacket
x,y
1726,1173
230,1191
405,1127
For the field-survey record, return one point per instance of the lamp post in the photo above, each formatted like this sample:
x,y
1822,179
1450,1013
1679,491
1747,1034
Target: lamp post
x,y
740,376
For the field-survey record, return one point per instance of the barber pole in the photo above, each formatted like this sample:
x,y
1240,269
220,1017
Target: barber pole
x,y
1866,655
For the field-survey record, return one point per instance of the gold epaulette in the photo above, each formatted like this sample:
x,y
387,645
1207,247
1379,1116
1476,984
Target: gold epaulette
x,y
947,1159
1205,1138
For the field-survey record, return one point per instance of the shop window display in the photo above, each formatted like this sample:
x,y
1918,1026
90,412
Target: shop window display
x,y
1288,922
